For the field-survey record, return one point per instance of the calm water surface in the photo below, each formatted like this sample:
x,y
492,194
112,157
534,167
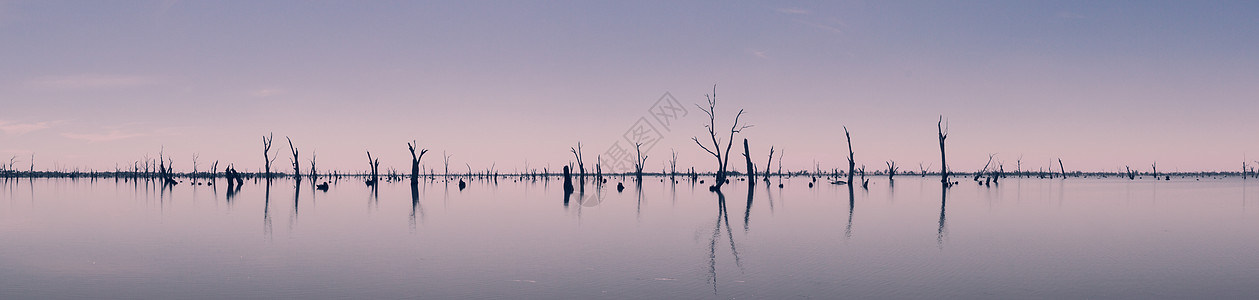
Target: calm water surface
x,y
1025,238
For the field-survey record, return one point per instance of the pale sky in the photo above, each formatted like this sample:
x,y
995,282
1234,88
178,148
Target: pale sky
x,y
1099,84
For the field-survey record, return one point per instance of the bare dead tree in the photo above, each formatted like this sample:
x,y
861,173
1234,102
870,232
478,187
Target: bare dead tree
x,y
161,163
581,166
415,160
214,169
723,158
195,156
780,161
374,165
943,133
1019,163
673,165
852,164
891,169
1060,168
638,164
751,169
1000,171
984,171
769,161
568,182
313,174
1155,167
865,183
266,153
446,162
1131,175
297,169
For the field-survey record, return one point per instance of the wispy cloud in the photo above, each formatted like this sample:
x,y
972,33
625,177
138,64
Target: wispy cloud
x,y
10,127
758,53
833,27
89,81
793,11
120,132
267,92
112,135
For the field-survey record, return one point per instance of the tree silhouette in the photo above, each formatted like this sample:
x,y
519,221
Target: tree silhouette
x,y
415,160
852,164
747,156
374,164
638,164
943,133
723,157
581,166
266,153
297,169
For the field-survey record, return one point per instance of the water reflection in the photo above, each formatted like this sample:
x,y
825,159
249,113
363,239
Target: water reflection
x,y
297,192
266,211
667,243
232,190
723,218
373,198
567,194
639,189
852,203
944,194
769,198
415,203
747,212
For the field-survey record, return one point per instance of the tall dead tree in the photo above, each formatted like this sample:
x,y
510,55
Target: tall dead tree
x,y
984,171
568,182
161,163
415,160
769,161
297,169
638,164
891,169
1060,168
581,166
780,162
852,164
446,162
1155,167
723,158
943,133
313,174
194,163
1019,166
747,156
266,153
374,164
673,165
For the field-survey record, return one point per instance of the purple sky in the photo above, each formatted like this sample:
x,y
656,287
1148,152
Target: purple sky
x,y
1099,84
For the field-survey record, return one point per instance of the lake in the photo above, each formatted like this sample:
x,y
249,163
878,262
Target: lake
x,y
1192,237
